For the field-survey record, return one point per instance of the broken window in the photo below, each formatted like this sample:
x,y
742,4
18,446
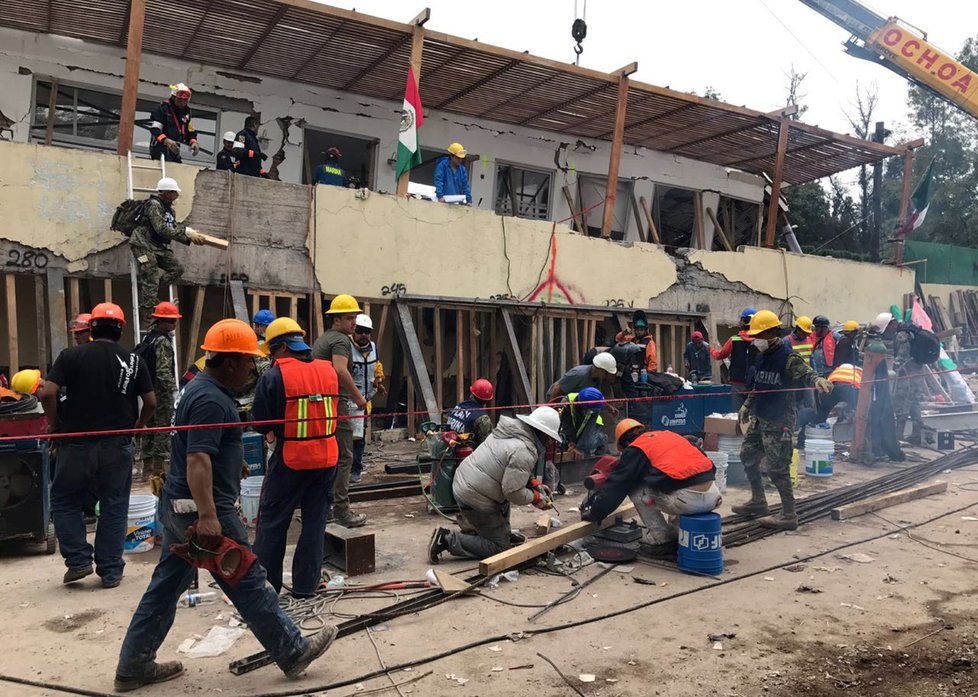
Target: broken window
x,y
591,190
523,192
673,214
357,161
738,219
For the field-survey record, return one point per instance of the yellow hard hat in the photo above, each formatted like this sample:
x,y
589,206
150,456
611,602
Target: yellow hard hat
x,y
457,150
342,304
26,381
804,323
762,321
850,326
283,325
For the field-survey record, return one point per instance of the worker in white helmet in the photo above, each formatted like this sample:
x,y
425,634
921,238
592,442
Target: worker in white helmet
x,y
602,374
226,156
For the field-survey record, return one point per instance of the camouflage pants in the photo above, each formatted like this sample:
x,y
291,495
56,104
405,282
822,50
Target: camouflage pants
x,y
908,389
153,268
766,439
156,446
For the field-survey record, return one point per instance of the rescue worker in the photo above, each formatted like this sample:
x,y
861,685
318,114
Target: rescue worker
x,y
150,246
638,333
225,157
661,472
156,350
581,424
27,381
497,475
451,176
104,381
247,149
260,323
741,353
335,346
771,413
470,416
303,463
823,346
908,387
696,359
204,483
601,374
845,390
171,124
368,374
800,339
845,348
81,328
330,173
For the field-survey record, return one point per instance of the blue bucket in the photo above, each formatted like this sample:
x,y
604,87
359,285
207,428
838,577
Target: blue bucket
x,y
700,544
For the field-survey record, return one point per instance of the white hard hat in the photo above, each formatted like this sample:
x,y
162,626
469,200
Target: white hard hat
x,y
365,322
167,184
882,320
544,419
230,136
606,362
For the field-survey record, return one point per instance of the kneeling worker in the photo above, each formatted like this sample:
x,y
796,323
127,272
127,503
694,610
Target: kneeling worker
x,y
499,473
660,471
303,464
469,416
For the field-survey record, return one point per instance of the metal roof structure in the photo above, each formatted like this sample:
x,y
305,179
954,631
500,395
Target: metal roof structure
x,y
307,42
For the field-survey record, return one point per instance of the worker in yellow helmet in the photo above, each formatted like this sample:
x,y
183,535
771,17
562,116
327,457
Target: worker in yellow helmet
x,y
27,381
845,347
451,176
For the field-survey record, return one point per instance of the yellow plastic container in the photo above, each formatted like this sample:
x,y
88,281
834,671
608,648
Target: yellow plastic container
x,y
794,467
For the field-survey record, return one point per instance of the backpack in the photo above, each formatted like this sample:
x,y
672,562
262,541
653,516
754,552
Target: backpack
x,y
146,350
925,347
127,216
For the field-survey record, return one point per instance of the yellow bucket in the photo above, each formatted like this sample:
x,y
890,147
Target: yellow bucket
x,y
794,467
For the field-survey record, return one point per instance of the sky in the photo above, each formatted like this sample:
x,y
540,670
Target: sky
x,y
741,48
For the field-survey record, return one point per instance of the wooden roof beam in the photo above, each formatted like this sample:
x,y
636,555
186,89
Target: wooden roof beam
x,y
563,105
319,49
348,15
266,32
704,139
394,48
477,84
196,31
648,120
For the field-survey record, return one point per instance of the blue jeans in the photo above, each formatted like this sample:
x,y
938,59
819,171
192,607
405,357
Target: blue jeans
x,y
284,490
359,446
99,467
253,598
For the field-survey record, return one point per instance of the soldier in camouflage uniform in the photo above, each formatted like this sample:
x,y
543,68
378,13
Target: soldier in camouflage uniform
x,y
156,349
771,431
908,388
150,246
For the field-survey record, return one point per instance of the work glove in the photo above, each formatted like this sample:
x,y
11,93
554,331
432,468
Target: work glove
x,y
822,385
172,145
744,414
541,501
194,236
194,148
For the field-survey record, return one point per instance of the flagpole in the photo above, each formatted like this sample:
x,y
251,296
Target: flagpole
x,y
417,49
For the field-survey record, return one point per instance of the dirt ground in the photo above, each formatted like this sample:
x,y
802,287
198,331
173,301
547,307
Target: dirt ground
x,y
903,624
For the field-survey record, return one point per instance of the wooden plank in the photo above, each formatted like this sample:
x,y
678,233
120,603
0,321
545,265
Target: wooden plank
x,y
534,367
876,503
107,289
130,83
404,325
653,230
711,327
698,232
512,347
439,361
719,230
382,327
575,339
638,218
574,213
459,356
240,305
562,365
776,178
549,352
52,110
317,309
255,303
57,320
494,359
621,106
13,340
473,345
417,52
543,524
193,333
294,307
74,293
449,583
43,360
541,545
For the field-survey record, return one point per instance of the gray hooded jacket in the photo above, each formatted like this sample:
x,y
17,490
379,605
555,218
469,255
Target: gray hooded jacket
x,y
500,468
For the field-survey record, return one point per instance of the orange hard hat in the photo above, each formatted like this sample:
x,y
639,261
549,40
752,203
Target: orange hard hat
x,y
231,336
108,311
81,323
623,427
166,310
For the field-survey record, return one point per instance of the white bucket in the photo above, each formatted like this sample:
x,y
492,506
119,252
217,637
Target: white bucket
x,y
822,431
819,455
719,460
250,494
140,524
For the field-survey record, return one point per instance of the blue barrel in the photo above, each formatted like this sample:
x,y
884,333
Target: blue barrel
x,y
254,452
700,544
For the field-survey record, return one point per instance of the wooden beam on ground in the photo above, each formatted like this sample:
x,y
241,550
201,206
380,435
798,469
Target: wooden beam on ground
x,y
240,304
130,82
614,160
417,50
57,319
541,545
404,325
876,503
719,230
13,341
653,230
776,178
193,333
516,365
42,330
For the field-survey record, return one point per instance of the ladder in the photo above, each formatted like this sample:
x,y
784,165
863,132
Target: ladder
x,y
159,167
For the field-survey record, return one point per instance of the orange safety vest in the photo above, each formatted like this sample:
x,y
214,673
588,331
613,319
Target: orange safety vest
x,y
848,374
311,405
672,454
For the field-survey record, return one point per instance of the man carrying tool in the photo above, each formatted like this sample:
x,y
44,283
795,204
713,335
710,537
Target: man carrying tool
x,y
581,423
770,409
171,124
497,475
601,374
198,507
368,374
225,158
247,149
336,346
103,381
470,416
150,246
661,472
451,176
81,328
741,354
303,463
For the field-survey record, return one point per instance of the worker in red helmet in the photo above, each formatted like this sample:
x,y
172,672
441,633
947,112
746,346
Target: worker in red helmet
x,y
470,415
81,328
171,125
330,172
696,359
661,472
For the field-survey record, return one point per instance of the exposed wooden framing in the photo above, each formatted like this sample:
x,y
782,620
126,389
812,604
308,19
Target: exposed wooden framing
x,y
459,356
861,448
718,229
562,366
52,108
776,179
575,339
57,320
615,159
698,233
404,324
638,218
417,51
323,45
42,330
130,83
380,60
107,289
473,345
905,187
74,295
875,503
658,344
238,300
256,44
477,84
382,327
517,367
294,306
711,328
575,217
549,351
494,359
193,332
534,365
439,361
13,340
317,309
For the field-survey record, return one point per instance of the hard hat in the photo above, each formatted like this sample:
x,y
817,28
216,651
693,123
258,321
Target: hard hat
x,y
231,336
180,90
592,395
286,330
804,323
850,326
81,323
639,319
882,320
457,150
334,152
623,427
762,321
166,310
365,322
108,311
606,362
748,312
698,335
482,390
229,136
263,317
26,381
343,304
167,184
543,419
820,321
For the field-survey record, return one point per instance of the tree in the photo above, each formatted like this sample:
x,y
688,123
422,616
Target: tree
x,y
795,96
860,120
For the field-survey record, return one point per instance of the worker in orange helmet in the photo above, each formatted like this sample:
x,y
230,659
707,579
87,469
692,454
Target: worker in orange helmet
x,y
81,328
156,351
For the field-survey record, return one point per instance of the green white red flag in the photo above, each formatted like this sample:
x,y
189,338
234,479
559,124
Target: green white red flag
x,y
408,143
921,202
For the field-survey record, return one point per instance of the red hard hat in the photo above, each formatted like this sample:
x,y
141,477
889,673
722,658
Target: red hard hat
x,y
81,323
108,311
166,310
697,335
334,152
482,390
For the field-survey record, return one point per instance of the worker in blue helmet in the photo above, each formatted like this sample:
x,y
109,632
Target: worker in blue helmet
x,y
581,423
260,322
741,354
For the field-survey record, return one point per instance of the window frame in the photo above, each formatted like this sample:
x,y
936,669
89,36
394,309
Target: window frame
x,y
549,173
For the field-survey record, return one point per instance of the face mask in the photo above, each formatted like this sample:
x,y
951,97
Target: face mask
x,y
761,344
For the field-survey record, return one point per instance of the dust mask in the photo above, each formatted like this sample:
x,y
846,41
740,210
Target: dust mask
x,y
762,344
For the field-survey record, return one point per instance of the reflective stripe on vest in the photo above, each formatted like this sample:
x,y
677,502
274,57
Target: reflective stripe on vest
x,y
672,454
803,348
571,398
848,374
311,405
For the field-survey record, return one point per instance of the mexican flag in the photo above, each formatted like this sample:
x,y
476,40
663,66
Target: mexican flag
x,y
408,145
921,202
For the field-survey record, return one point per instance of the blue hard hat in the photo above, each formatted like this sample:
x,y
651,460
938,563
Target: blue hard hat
x,y
265,317
591,394
748,312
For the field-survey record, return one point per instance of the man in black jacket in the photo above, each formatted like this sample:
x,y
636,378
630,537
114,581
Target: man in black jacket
x,y
247,149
